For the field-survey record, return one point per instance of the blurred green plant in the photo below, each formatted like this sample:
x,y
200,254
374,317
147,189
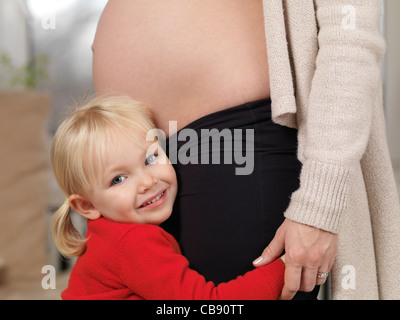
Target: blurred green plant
x,y
28,76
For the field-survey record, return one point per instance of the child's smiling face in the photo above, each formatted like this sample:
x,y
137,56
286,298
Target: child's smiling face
x,y
138,184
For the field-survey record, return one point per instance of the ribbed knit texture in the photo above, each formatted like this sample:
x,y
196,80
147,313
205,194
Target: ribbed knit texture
x,y
325,74
321,198
132,261
334,130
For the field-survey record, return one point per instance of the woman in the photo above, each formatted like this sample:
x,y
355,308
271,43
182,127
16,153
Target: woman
x,y
208,63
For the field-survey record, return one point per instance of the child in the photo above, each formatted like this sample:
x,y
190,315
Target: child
x,y
125,187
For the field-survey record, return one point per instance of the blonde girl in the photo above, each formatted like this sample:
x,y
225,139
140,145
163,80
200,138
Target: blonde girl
x,y
125,187
77,151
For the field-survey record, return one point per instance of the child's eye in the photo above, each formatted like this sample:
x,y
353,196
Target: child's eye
x,y
118,180
150,159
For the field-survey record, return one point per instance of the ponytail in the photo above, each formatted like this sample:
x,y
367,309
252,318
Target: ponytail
x,y
67,239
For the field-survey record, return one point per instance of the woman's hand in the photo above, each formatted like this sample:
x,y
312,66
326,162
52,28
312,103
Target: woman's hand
x,y
308,251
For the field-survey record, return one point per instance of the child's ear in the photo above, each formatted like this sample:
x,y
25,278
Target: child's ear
x,y
84,207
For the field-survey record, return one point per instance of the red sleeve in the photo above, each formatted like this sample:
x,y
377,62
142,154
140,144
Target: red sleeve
x,y
152,268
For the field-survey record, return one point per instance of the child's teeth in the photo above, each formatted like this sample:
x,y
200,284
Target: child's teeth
x,y
155,199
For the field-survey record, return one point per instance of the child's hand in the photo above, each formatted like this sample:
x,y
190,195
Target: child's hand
x,y
282,258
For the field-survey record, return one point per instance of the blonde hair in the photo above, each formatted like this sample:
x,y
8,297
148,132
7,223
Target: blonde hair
x,y
77,152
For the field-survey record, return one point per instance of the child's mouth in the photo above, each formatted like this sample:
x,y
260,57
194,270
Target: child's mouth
x,y
155,202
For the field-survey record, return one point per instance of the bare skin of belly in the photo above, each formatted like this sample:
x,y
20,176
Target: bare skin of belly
x,y
184,58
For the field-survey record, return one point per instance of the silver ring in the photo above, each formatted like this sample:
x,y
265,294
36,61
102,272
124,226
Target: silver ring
x,y
322,275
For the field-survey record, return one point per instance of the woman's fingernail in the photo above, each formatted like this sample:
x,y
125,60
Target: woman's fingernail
x,y
258,260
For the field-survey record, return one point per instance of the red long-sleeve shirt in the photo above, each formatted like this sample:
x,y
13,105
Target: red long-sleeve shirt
x,y
132,261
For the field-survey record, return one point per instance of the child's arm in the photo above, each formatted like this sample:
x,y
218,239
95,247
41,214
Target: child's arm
x,y
152,268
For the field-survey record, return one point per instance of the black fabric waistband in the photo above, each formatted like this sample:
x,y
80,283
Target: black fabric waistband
x,y
240,116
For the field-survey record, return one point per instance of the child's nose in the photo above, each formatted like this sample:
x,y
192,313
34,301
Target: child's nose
x,y
146,182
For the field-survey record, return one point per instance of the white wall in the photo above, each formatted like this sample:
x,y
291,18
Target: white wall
x,y
392,79
13,33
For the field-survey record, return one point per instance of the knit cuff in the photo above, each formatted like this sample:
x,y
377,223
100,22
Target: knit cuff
x,y
321,199
275,275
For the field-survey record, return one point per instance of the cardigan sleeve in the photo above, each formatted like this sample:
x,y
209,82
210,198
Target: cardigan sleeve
x,y
152,267
334,133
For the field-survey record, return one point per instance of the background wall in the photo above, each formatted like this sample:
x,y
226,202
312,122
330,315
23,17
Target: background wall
x,y
60,33
13,31
392,80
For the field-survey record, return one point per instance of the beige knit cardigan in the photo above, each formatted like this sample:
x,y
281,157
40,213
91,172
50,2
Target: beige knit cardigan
x,y
325,75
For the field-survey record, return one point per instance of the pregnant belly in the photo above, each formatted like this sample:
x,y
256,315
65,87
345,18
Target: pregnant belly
x,y
185,59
